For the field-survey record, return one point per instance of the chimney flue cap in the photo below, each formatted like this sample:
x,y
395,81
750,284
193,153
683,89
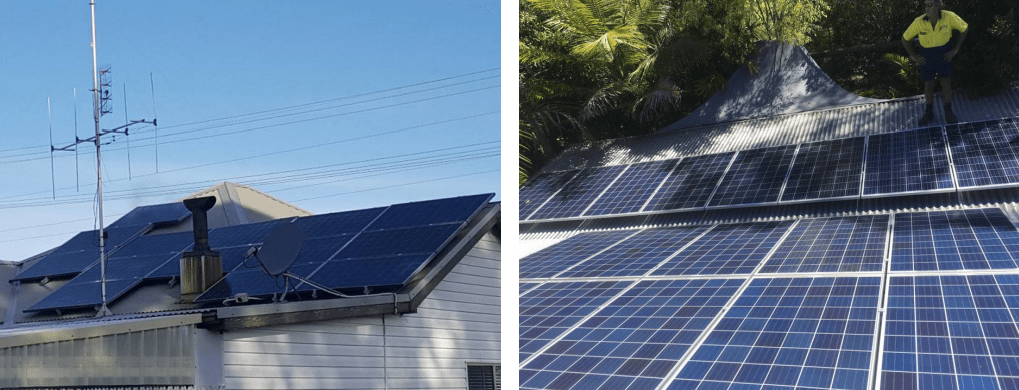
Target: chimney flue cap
x,y
200,204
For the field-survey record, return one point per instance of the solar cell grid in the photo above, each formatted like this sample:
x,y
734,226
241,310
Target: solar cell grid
x,y
634,187
574,197
558,257
334,224
552,308
414,240
76,254
952,332
985,153
368,272
636,255
909,161
537,191
755,177
691,183
634,341
842,244
826,169
82,295
726,249
430,212
815,333
954,240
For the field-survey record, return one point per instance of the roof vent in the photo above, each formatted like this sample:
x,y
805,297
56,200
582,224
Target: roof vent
x,y
200,267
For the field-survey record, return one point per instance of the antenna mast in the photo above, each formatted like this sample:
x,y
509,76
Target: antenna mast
x,y
96,113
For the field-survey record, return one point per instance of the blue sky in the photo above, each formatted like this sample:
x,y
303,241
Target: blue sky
x,y
329,105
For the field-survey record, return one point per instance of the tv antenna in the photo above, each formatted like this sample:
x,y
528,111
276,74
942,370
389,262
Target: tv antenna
x,y
279,251
101,84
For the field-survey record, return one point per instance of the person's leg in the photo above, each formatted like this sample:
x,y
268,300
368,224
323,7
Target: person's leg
x,y
928,113
946,95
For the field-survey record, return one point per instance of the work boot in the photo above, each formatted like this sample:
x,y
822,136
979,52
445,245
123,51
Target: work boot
x,y
927,116
949,115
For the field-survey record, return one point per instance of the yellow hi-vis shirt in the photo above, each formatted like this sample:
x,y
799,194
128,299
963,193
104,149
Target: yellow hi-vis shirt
x,y
937,35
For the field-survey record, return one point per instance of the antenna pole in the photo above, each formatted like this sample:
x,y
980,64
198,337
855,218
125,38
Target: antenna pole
x,y
77,187
152,87
126,135
53,179
96,113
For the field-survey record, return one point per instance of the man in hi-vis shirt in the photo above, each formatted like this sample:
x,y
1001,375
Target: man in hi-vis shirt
x,y
936,51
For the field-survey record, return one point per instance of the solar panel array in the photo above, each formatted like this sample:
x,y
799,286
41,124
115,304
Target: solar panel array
x,y
929,160
375,249
791,304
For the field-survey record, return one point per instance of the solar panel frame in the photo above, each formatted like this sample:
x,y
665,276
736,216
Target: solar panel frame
x,y
691,184
726,249
633,189
424,213
900,164
536,192
977,149
561,256
973,239
634,340
828,170
825,327
158,214
755,177
576,196
812,242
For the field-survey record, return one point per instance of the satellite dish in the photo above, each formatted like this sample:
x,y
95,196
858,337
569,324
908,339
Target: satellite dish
x,y
281,247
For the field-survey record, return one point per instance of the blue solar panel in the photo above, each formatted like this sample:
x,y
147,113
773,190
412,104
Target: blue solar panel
x,y
334,224
247,235
954,240
633,189
637,254
431,212
425,239
76,254
537,191
525,287
635,341
320,250
756,177
691,183
155,214
368,272
556,258
843,244
790,333
574,197
826,169
156,244
726,249
951,332
985,153
909,161
82,295
549,310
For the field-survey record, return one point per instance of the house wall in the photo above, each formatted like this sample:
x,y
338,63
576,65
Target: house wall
x,y
457,324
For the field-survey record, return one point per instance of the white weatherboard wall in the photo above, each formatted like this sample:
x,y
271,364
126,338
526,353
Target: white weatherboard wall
x,y
458,323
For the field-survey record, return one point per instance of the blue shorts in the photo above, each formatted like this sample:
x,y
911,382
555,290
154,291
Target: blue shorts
x,y
935,62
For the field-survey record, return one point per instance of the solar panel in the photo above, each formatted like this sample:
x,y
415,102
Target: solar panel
x,y
247,235
954,240
556,258
538,190
320,250
632,190
431,212
155,214
807,333
842,244
551,309
907,162
525,287
334,224
826,169
82,295
156,244
634,341
691,183
726,249
76,254
575,196
635,255
985,153
424,239
951,332
368,272
755,177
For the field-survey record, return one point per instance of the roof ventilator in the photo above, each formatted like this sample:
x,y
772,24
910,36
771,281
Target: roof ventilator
x,y
201,267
